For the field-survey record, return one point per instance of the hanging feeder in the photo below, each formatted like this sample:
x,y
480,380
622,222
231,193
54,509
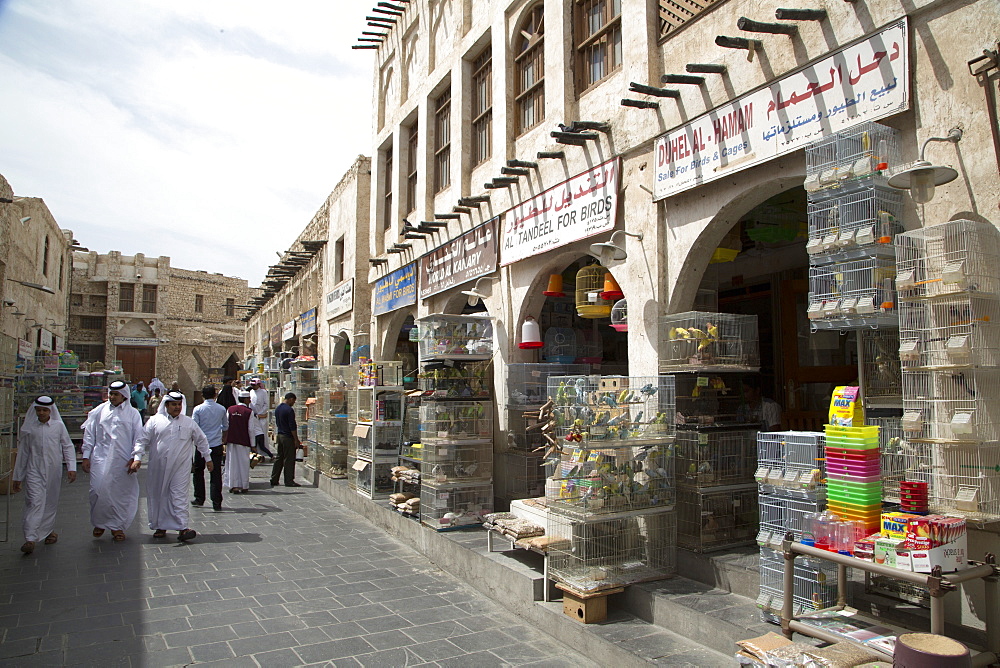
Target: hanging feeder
x,y
555,287
611,289
531,335
589,286
560,345
619,315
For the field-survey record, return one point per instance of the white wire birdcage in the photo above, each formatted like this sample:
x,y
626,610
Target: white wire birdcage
x,y
527,384
699,339
852,294
814,585
867,153
951,331
955,405
716,457
590,554
716,517
790,463
523,475
560,345
821,167
868,218
898,459
444,337
781,514
881,370
450,506
959,256
619,315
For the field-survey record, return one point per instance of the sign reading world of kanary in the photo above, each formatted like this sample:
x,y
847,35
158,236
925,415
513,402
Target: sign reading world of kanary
x,y
396,290
863,82
581,207
468,257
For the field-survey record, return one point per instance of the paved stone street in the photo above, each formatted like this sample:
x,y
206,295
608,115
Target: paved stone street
x,y
280,577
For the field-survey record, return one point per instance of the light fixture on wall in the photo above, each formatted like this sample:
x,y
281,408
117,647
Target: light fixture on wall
x,y
613,249
480,291
531,334
921,177
24,221
8,302
36,286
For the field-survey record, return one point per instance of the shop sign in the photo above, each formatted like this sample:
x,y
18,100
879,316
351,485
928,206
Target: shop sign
x,y
468,257
307,322
265,341
396,290
25,349
276,336
575,209
340,299
288,330
863,82
48,343
135,341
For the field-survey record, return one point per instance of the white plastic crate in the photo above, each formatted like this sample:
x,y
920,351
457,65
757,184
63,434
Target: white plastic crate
x,y
455,337
698,339
853,294
715,457
602,553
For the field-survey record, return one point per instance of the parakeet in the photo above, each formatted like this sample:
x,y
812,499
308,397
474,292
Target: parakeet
x,y
648,389
561,397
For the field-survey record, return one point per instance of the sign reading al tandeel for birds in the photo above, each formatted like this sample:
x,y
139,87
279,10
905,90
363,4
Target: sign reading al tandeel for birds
x,y
581,207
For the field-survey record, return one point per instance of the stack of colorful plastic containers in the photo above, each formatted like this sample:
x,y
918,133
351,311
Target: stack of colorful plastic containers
x,y
854,474
913,497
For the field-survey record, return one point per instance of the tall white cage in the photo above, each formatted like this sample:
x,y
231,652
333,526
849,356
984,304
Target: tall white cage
x,y
698,339
867,220
814,585
959,257
853,294
950,331
590,554
881,372
860,157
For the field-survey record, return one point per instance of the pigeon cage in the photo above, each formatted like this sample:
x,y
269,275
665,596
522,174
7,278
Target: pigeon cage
x,y
589,286
619,316
560,345
726,341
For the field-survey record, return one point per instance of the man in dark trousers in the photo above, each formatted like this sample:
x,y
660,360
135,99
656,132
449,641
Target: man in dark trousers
x,y
288,442
214,421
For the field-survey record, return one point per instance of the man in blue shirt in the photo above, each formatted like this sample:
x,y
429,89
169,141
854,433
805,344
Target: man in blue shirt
x,y
214,422
288,442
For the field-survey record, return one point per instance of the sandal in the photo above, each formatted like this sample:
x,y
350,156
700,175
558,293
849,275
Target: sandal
x,y
118,536
51,538
28,547
159,533
98,532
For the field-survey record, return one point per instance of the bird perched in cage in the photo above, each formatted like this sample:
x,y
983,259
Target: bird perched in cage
x,y
581,394
648,390
607,400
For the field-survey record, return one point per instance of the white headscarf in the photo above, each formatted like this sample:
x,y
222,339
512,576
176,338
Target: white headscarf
x,y
31,422
172,396
119,386
157,383
243,394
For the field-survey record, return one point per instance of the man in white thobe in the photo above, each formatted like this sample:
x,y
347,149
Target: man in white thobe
x,y
43,444
260,404
169,439
237,471
109,436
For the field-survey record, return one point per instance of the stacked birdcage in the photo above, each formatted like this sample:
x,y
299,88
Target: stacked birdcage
x,y
523,471
852,217
948,280
374,426
703,341
881,371
8,361
814,585
792,490
612,493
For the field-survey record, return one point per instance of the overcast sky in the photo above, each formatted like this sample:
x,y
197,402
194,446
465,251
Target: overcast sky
x,y
210,131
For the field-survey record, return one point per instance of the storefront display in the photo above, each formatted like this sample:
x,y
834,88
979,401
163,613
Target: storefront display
x,y
375,406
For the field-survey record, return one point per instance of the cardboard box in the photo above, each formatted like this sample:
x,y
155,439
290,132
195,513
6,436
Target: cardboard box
x,y
885,551
950,557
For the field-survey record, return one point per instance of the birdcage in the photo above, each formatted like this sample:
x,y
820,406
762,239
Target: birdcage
x,y
866,220
589,285
454,505
461,380
589,346
867,153
380,440
457,460
613,411
950,331
726,341
853,294
559,345
710,399
959,256
965,481
527,384
619,315
814,585
896,460
524,475
821,168
882,375
790,463
455,421
590,554
371,479
781,514
450,337
960,405
716,517
715,457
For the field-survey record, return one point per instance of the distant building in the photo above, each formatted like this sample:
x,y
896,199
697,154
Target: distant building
x,y
157,320
34,272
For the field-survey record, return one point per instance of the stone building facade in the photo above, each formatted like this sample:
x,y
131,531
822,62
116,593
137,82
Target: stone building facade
x,y
315,300
33,250
176,324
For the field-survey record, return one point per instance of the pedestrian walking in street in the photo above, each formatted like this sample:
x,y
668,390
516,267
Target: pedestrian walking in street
x,y
227,395
154,385
109,436
168,441
260,403
288,442
139,398
153,405
214,421
237,475
43,444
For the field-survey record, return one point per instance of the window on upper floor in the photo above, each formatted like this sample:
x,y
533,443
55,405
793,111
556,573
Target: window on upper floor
x,y
482,106
126,297
338,260
199,303
387,197
149,299
230,307
92,322
442,141
598,28
411,168
45,258
529,62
